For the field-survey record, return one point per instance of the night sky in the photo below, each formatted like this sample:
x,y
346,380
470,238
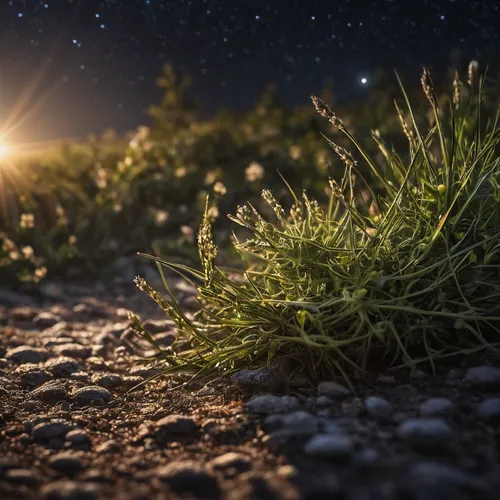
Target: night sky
x,y
71,67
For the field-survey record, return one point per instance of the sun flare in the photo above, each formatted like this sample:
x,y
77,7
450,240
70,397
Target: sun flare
x,y
4,150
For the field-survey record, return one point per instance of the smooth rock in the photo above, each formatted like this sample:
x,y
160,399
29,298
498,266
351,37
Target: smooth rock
x,y
329,446
232,460
66,462
70,490
21,476
300,422
333,390
50,393
262,379
46,431
73,350
46,319
429,433
483,377
266,404
378,407
109,381
436,407
175,426
189,478
27,354
92,394
489,410
77,437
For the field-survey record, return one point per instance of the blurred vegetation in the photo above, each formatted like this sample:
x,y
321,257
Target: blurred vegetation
x,y
77,206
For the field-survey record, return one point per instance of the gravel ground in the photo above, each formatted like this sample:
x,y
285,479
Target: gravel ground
x,y
69,428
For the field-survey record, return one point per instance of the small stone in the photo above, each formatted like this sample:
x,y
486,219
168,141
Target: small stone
x,y
436,407
46,431
21,476
189,478
232,460
46,319
77,437
109,381
386,380
378,407
67,463
333,390
324,402
425,476
262,379
329,446
70,490
27,354
483,377
300,422
173,427
50,393
417,374
266,404
62,367
32,376
92,394
73,350
80,377
426,432
489,410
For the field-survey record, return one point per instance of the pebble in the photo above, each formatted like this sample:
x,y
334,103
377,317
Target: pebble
x,y
267,404
489,410
436,407
66,462
33,376
109,381
73,350
70,490
333,390
62,367
300,422
483,377
329,446
46,319
50,393
189,478
77,437
92,394
27,354
323,402
262,379
425,432
175,426
378,407
46,431
21,476
232,460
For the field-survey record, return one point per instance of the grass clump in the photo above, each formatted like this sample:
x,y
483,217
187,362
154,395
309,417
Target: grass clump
x,y
405,274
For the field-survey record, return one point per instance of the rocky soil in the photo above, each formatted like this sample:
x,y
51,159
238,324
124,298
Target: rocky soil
x,y
69,428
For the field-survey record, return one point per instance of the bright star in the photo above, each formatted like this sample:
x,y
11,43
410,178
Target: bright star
x,y
364,80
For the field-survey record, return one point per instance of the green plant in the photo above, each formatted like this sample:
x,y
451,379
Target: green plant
x,y
404,275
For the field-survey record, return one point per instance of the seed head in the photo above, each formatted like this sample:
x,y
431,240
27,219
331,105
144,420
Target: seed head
x,y
324,110
428,86
472,73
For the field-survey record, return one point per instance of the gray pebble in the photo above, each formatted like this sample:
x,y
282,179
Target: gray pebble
x,y
27,354
378,407
489,410
262,379
329,446
46,431
323,402
435,407
483,377
425,432
109,381
300,422
77,437
92,394
332,390
266,404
